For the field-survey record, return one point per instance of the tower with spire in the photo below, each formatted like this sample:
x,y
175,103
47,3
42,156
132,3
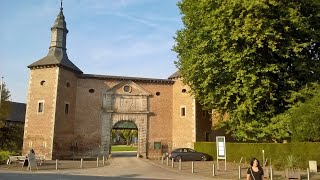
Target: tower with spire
x,y
51,97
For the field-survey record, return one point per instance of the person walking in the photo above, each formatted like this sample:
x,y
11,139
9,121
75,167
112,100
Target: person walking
x,y
255,172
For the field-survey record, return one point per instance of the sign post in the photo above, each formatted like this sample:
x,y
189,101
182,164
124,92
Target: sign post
x,y
221,150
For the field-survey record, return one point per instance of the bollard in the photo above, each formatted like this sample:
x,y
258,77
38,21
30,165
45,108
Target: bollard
x,y
167,161
172,163
56,164
213,170
103,160
162,159
192,167
180,164
81,163
97,161
239,172
271,173
308,173
263,165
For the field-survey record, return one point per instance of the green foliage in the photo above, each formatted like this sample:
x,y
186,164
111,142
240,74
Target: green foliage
x,y
291,162
303,117
11,136
128,134
248,58
278,152
4,108
4,155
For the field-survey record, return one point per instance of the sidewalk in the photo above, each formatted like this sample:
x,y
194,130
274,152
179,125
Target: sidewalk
x,y
202,169
205,169
50,165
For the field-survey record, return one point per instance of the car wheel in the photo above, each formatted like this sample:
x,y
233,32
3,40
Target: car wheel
x,y
178,158
204,158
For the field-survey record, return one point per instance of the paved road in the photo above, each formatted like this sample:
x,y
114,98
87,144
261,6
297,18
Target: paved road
x,y
123,166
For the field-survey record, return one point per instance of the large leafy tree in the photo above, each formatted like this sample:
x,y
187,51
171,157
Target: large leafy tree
x,y
247,58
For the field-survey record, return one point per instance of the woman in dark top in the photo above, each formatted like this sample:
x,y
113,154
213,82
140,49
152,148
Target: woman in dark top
x,y
255,172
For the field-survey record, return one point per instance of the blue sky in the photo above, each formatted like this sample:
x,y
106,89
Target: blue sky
x,y
107,37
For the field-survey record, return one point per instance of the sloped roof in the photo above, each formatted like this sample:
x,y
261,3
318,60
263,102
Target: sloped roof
x,y
175,75
94,76
56,58
17,112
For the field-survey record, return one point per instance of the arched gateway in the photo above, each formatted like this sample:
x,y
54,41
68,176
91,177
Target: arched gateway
x,y
125,102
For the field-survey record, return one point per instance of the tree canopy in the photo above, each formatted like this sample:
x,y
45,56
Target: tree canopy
x,y
4,108
249,58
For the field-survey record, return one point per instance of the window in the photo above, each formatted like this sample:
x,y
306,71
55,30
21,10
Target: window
x,y
182,111
44,144
91,90
207,134
204,113
68,84
158,93
40,106
66,108
183,90
42,83
30,144
127,88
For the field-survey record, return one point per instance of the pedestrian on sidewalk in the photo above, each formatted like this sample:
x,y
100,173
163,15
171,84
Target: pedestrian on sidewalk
x,y
255,172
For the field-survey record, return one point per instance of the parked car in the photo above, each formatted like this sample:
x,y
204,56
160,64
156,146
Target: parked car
x,y
188,154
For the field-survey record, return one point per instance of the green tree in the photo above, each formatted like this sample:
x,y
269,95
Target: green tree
x,y
303,119
4,108
11,136
248,58
128,134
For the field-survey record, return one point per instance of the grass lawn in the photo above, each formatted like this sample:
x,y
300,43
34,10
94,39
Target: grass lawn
x,y
123,148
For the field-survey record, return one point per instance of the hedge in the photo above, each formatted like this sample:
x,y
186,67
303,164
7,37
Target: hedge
x,y
4,155
278,153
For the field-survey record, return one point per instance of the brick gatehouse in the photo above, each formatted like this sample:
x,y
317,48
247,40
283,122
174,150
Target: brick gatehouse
x,y
70,113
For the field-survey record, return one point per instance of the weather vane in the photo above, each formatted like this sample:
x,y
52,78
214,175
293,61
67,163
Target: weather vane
x,y
61,5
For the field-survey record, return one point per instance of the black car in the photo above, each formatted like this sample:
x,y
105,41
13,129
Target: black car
x,y
188,154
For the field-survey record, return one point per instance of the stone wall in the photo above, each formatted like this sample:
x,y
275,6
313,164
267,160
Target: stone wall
x,y
65,116
38,132
183,127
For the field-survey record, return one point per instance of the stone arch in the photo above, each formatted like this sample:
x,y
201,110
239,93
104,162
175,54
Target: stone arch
x,y
111,119
124,124
120,106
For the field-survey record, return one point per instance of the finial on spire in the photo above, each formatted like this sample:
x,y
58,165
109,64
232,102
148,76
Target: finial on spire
x,y
61,5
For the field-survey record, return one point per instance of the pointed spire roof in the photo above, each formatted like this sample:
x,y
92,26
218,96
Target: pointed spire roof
x,y
57,54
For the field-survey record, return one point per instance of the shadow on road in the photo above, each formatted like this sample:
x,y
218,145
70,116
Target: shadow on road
x,y
124,154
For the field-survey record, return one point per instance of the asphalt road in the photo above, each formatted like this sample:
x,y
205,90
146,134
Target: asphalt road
x,y
123,166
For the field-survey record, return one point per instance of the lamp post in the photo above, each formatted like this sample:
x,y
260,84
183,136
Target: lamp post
x,y
1,86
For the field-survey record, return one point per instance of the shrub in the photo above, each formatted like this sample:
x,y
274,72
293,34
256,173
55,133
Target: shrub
x,y
4,155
